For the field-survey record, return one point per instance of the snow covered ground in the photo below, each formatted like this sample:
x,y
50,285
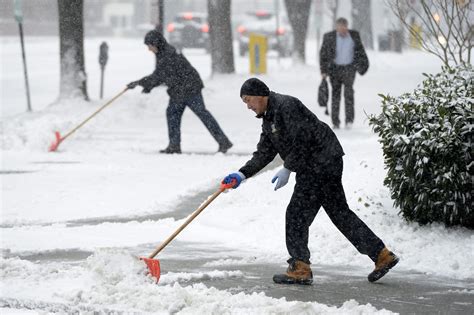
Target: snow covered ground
x,y
110,173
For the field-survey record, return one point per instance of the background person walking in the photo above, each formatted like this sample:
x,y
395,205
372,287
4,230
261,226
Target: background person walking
x,y
341,55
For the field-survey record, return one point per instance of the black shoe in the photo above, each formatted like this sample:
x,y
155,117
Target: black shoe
x,y
171,150
298,272
386,261
225,147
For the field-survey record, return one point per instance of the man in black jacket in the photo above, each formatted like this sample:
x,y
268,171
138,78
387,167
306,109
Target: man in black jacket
x,y
184,88
341,55
309,148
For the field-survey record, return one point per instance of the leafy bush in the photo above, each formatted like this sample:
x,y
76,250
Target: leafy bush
x,y
427,144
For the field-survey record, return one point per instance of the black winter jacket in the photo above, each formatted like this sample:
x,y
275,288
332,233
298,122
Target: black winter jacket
x,y
328,53
174,71
290,129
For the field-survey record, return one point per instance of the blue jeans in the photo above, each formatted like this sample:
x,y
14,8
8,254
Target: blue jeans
x,y
175,111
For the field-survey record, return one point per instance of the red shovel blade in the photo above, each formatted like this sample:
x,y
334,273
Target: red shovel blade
x,y
153,266
55,144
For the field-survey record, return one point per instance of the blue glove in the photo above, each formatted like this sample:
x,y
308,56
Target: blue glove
x,y
236,177
282,175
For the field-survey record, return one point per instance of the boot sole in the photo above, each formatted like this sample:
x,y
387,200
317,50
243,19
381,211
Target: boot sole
x,y
382,272
294,281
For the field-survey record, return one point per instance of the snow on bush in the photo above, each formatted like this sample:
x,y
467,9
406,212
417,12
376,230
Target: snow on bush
x,y
427,145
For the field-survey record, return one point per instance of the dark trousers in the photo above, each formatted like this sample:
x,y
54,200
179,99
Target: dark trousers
x,y
174,114
313,190
342,75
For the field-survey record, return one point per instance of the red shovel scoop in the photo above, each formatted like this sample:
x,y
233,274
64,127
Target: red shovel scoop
x,y
154,264
55,144
153,267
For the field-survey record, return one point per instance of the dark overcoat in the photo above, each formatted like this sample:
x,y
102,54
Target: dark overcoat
x,y
172,69
290,129
328,53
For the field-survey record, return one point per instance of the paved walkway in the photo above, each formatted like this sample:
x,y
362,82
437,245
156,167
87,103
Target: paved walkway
x,y
398,291
402,292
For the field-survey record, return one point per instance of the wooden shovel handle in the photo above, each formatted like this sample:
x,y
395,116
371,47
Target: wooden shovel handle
x,y
93,114
195,214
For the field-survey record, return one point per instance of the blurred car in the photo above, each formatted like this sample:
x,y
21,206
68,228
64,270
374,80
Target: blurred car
x,y
264,23
189,30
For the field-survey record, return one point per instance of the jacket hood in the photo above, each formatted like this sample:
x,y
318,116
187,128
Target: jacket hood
x,y
155,38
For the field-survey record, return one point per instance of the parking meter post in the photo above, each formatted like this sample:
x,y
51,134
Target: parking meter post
x,y
103,58
19,18
101,82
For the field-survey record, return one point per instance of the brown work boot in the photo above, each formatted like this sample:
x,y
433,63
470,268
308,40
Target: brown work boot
x,y
298,272
385,261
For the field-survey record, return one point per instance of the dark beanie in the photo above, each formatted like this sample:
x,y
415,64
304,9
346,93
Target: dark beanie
x,y
254,87
155,38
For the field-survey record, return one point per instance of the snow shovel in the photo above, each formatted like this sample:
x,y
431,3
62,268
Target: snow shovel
x,y
154,264
55,144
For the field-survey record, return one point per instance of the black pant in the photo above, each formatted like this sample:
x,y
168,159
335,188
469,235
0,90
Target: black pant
x,y
342,75
313,190
175,111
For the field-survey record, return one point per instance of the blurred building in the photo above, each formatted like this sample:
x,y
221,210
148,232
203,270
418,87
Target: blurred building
x,y
135,17
101,17
112,17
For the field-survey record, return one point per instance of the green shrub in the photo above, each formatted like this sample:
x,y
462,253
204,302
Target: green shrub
x,y
427,144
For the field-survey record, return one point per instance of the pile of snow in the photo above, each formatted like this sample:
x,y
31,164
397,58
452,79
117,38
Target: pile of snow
x,y
119,281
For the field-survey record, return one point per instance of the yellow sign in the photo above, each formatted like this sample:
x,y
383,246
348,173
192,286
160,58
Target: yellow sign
x,y
258,53
415,36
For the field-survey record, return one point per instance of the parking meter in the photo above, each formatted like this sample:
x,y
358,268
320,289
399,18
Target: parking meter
x,y
104,54
103,57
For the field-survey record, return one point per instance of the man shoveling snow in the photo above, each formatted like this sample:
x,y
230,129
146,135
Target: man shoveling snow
x,y
309,148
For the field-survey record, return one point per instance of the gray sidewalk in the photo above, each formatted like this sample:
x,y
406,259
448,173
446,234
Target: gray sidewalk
x,y
399,291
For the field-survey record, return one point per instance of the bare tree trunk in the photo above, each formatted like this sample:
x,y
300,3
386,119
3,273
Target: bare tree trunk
x,y
161,16
362,21
298,14
220,31
73,82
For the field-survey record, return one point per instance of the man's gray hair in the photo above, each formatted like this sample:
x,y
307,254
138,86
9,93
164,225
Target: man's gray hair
x,y
342,21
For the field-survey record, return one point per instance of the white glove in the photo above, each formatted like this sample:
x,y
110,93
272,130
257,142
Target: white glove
x,y
282,176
